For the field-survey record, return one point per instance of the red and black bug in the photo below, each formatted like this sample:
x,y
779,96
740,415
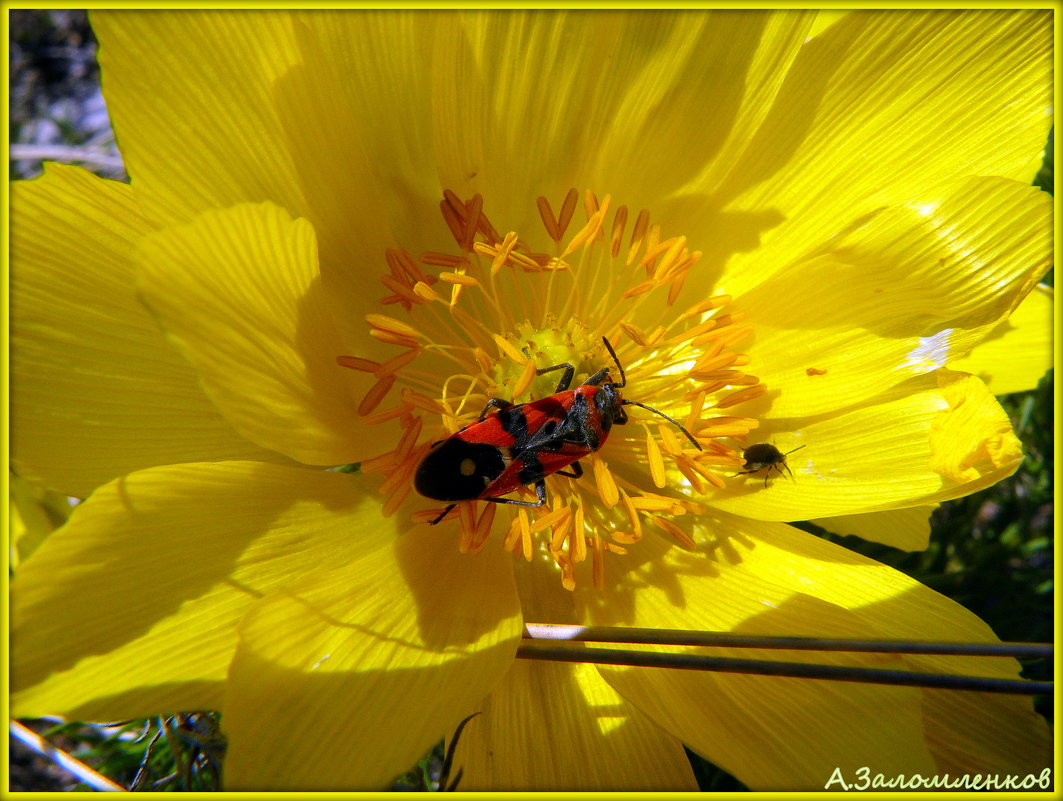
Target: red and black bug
x,y
762,455
523,444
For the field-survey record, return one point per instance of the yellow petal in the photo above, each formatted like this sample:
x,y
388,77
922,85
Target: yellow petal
x,y
931,439
882,106
902,293
702,83
192,98
907,529
131,609
35,513
1018,352
344,680
554,726
280,129
239,292
762,578
96,391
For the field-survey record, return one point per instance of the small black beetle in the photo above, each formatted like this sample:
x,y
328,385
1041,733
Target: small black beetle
x,y
762,455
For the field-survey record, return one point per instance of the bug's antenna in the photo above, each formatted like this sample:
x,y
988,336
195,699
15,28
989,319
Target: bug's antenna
x,y
672,420
616,361
626,402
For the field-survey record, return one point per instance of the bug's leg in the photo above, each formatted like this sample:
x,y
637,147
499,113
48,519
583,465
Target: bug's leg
x,y
566,377
444,513
577,471
540,491
598,377
494,403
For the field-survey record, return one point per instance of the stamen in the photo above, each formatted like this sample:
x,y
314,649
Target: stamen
x,y
525,535
743,395
358,363
511,542
380,322
680,536
507,348
396,363
393,339
458,278
388,414
708,365
655,461
567,208
468,526
603,480
547,216
592,229
418,401
400,289
425,292
376,394
619,221
636,334
525,380
483,528
549,520
632,515
705,306
577,540
472,221
562,530
638,236
726,427
434,259
599,564
653,503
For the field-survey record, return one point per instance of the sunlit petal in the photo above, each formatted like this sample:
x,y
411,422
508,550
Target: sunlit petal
x,y
907,529
1018,352
765,578
343,680
597,741
262,336
96,391
112,618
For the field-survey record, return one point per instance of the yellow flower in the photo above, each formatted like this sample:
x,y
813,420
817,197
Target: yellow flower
x,y
353,229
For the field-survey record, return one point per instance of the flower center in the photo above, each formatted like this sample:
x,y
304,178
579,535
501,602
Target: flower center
x,y
514,358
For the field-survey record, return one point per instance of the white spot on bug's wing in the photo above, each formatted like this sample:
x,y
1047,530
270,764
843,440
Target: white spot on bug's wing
x,y
931,353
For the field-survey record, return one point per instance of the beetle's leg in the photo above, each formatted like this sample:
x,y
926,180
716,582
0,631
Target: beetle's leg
x,y
577,471
540,491
442,515
494,403
566,377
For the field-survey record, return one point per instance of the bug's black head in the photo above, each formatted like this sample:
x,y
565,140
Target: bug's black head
x,y
456,470
610,405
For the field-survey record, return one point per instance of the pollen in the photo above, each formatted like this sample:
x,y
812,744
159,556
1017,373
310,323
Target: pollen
x,y
541,345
